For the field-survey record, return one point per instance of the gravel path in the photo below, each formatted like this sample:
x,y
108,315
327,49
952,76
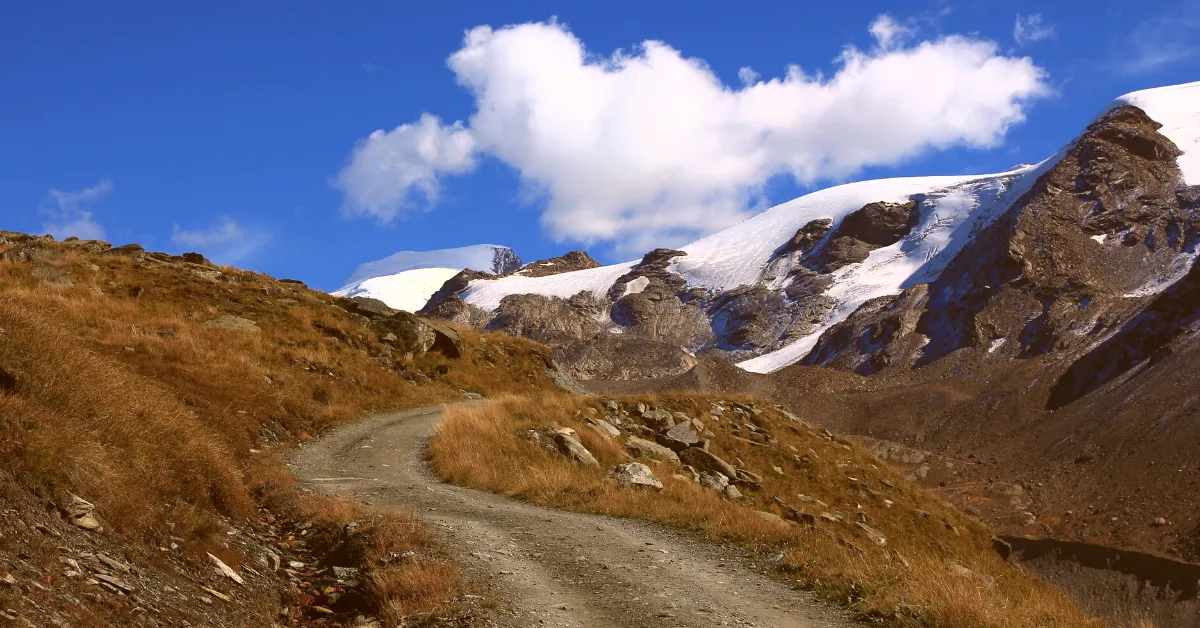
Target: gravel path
x,y
548,567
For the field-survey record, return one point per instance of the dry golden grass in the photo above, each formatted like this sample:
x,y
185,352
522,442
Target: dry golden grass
x,y
927,575
136,405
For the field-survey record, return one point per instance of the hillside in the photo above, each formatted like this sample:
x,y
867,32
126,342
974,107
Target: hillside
x,y
143,398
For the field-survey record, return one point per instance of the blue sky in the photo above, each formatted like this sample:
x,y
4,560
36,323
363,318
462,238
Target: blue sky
x,y
240,129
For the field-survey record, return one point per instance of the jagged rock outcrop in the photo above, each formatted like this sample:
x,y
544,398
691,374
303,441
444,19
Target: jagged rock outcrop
x,y
873,226
565,263
549,320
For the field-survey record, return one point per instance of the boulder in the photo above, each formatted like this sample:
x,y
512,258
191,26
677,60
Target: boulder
x,y
707,461
569,446
604,428
646,450
679,437
368,307
80,513
732,492
658,420
236,323
716,481
636,474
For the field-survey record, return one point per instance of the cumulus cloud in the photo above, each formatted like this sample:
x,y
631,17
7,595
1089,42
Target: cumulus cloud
x,y
226,241
649,147
1030,29
390,171
67,212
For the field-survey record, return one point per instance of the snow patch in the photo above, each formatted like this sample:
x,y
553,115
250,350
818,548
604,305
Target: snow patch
x,y
996,344
636,286
1100,238
407,290
487,293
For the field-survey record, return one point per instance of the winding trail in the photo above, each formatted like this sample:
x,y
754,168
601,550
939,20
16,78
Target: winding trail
x,y
552,568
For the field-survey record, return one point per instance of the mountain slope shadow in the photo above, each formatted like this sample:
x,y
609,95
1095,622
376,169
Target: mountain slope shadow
x,y
1146,337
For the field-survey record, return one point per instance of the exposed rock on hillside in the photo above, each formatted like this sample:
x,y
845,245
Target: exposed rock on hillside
x,y
568,262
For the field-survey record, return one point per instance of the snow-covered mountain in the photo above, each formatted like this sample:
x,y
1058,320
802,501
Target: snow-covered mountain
x,y
407,279
770,290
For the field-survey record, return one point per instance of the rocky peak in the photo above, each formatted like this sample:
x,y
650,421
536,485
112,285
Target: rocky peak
x,y
565,263
504,261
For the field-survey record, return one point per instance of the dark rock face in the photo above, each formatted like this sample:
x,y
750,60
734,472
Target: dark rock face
x,y
451,289
1143,341
807,236
505,261
878,334
568,262
873,226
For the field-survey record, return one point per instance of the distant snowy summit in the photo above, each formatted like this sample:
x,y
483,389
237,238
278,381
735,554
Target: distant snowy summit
x,y
407,279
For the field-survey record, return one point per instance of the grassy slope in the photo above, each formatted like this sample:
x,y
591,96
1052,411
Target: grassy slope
x,y
926,575
166,423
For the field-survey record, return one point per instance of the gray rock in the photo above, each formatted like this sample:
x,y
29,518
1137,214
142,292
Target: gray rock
x,y
707,461
570,447
715,481
236,323
680,437
642,448
604,427
636,474
368,306
732,492
658,420
876,536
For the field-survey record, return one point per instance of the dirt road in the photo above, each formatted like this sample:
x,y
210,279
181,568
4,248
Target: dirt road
x,y
552,568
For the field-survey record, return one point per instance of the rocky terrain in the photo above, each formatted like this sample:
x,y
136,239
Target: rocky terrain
x,y
548,567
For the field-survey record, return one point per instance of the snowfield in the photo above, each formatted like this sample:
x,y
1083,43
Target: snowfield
x,y
406,290
406,280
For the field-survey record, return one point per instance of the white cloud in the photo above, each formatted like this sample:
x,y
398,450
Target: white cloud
x,y
649,147
67,212
226,242
389,170
1029,29
889,33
